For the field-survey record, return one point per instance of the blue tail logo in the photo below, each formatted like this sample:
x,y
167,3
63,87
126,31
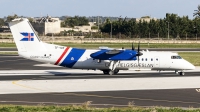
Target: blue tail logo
x,y
27,37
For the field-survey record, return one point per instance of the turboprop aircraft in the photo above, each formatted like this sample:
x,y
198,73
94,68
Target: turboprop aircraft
x,y
108,60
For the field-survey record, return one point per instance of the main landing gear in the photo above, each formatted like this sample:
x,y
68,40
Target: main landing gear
x,y
110,72
112,68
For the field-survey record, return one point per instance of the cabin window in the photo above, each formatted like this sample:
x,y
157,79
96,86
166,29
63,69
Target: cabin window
x,y
176,57
142,59
156,59
151,59
179,57
146,59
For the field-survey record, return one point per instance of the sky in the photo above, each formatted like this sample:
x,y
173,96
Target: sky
x,y
111,8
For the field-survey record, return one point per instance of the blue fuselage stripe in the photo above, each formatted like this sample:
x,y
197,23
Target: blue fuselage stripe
x,y
72,57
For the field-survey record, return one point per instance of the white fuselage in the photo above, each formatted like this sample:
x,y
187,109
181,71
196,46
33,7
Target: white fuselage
x,y
71,58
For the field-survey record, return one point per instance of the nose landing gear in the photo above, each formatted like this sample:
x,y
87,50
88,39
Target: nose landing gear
x,y
181,73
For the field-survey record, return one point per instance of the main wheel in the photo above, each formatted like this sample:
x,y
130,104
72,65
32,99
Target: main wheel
x,y
111,72
105,71
116,71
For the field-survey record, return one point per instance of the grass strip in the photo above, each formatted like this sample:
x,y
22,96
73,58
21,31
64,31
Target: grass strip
x,y
9,53
120,45
192,57
84,108
129,45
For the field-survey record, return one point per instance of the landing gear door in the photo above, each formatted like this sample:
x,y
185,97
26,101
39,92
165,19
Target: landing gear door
x,y
156,62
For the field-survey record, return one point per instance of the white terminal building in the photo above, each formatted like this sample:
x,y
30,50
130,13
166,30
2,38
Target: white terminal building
x,y
47,25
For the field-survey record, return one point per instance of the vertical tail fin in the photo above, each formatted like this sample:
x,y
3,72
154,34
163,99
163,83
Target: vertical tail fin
x,y
24,36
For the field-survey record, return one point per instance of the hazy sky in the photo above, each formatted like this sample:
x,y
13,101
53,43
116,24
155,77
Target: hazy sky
x,y
129,8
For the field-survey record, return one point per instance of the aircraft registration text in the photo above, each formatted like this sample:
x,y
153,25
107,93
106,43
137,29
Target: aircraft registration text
x,y
37,57
132,65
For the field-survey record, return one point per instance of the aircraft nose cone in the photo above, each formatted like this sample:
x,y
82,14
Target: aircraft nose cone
x,y
190,66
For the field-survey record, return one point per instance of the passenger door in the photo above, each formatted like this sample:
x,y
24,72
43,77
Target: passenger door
x,y
156,62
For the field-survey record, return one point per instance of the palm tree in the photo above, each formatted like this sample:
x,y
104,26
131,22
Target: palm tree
x,y
197,12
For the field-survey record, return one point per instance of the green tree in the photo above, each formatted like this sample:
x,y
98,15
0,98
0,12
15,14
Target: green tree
x,y
158,28
181,27
134,28
75,21
197,12
107,26
10,18
184,30
153,28
2,22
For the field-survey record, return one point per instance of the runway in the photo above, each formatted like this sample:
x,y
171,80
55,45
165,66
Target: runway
x,y
31,83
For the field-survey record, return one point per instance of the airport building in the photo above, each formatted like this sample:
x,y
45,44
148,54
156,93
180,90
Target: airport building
x,y
84,28
47,25
145,18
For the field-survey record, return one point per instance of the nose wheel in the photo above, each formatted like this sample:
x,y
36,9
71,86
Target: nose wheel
x,y
181,73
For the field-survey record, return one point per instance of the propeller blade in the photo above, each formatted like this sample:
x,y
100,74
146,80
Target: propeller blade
x,y
138,60
139,47
138,53
133,48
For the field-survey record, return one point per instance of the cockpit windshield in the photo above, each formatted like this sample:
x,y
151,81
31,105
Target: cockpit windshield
x,y
176,57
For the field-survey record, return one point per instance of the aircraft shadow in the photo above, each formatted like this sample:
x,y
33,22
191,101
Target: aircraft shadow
x,y
121,75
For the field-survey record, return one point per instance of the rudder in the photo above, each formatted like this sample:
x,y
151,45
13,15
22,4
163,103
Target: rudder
x,y
24,36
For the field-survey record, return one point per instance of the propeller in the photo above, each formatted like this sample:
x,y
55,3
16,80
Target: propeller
x,y
133,48
138,53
